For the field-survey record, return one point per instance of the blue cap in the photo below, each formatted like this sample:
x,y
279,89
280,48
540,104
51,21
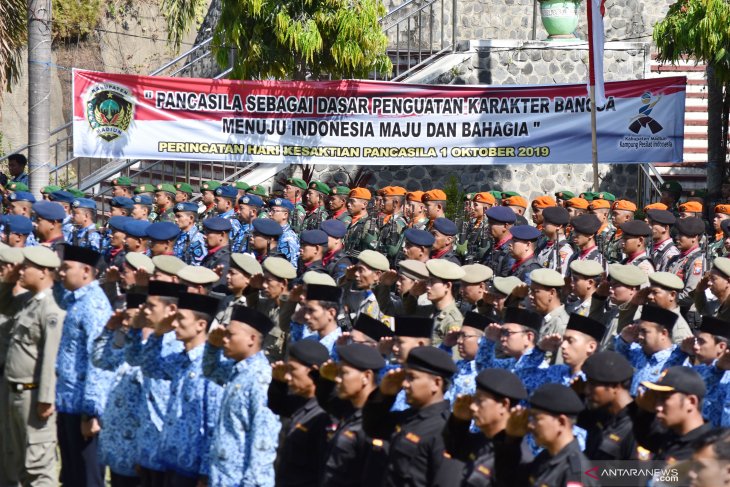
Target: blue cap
x,y
62,197
137,228
226,192
119,222
18,224
419,237
268,227
251,200
84,203
21,196
162,231
217,224
122,202
142,199
445,226
525,232
333,228
49,210
186,206
501,214
282,202
313,237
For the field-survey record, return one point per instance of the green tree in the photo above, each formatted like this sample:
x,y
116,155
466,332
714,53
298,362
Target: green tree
x,y
700,30
292,39
12,39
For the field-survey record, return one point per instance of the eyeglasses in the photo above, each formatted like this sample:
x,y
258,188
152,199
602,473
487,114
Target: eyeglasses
x,y
508,333
464,336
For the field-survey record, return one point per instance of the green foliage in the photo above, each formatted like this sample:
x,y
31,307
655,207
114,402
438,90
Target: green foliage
x,y
180,14
13,18
75,18
454,199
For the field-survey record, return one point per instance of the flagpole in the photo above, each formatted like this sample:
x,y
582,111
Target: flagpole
x,y
592,82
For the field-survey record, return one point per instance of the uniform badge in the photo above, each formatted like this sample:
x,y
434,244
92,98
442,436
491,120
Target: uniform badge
x,y
349,434
413,438
614,437
179,207
697,268
301,427
484,470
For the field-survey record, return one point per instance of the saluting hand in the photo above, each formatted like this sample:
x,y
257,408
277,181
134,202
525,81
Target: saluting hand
x,y
257,281
630,333
328,370
278,371
142,277
493,331
646,400
392,382
517,422
520,291
418,288
688,345
462,407
604,288
112,274
115,320
550,343
388,277
385,346
215,337
702,285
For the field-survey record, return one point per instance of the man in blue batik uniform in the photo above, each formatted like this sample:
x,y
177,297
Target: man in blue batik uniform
x,y
190,244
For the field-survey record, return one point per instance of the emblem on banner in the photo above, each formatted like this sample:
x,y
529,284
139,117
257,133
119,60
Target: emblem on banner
x,y
643,119
109,110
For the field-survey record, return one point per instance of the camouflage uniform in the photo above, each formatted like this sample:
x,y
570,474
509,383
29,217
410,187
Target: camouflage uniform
x,y
390,240
361,235
313,219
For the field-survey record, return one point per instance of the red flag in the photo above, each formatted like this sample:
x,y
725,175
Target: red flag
x,y
596,39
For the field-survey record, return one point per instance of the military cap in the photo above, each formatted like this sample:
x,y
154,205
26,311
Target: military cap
x,y
543,202
280,267
666,280
547,278
186,206
122,202
320,186
508,194
484,197
320,292
197,275
38,255
137,260
313,237
607,367
476,273
15,255
434,195
580,203
418,237
162,231
394,191
715,326
502,383
340,191
219,224
267,227
501,214
360,356
333,228
251,200
725,226
606,196
165,188
360,193
723,208
655,206
84,203
413,269
431,360
588,326
314,277
444,269
246,263
123,181
200,303
476,320
525,232
587,268
374,260
586,224
722,264
134,300
445,227
691,207
49,210
691,226
660,316
628,275
515,201
144,188
556,215
226,192
143,199
209,186
671,186
76,192
165,289
415,196
51,188
253,318
588,195
282,203
62,197
371,327
83,255
21,196
625,205
599,205
169,264
257,190
556,399
663,217
137,228
564,195
119,222
413,326
242,185
17,186
679,379
505,285
299,183
309,353
636,228
523,317
184,188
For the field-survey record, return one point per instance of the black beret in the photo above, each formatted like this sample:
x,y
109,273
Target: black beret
x,y
253,318
313,237
445,226
371,327
663,217
198,302
419,237
691,226
556,399
715,326
523,317
413,326
166,289
501,382
556,215
586,224
586,325
475,320
84,255
607,367
525,232
661,316
309,352
321,292
679,379
636,228
431,360
134,300
267,227
361,356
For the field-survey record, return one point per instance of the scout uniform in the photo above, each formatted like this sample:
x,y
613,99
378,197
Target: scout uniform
x,y
190,245
523,267
312,219
552,254
498,259
341,214
662,252
689,265
207,211
362,232
166,214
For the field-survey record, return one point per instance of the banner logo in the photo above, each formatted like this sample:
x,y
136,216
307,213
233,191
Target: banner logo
x,y
109,110
643,120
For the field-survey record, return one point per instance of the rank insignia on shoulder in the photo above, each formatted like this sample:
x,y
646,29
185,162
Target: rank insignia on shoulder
x,y
614,437
301,427
484,470
349,434
413,438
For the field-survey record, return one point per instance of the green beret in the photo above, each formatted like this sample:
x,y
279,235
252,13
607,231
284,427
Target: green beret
x,y
280,267
605,196
588,195
299,183
145,188
497,195
320,186
246,263
628,275
509,194
209,186
122,181
374,260
184,188
18,187
50,189
242,185
588,268
166,187
476,273
565,195
666,280
547,278
76,192
340,191
258,190
722,264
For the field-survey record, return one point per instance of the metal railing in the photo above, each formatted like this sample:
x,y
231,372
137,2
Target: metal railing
x,y
649,184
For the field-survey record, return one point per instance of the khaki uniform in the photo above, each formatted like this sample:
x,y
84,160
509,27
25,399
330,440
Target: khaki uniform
x,y
555,321
445,320
30,373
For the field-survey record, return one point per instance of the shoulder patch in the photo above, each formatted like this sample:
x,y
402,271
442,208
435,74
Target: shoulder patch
x,y
484,471
697,268
413,438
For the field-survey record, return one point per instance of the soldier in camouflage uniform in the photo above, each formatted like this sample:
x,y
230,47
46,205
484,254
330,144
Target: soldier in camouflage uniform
x,y
390,240
184,192
562,196
601,209
362,232
337,204
121,186
415,210
478,240
207,207
165,200
622,211
717,247
315,212
294,190
435,202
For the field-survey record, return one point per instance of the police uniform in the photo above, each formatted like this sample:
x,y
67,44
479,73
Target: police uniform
x,y
663,251
586,225
689,265
498,259
638,228
523,267
553,254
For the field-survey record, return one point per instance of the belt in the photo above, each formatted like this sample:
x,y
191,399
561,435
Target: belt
x,y
18,387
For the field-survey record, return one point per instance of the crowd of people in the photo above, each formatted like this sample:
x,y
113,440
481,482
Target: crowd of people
x,y
334,336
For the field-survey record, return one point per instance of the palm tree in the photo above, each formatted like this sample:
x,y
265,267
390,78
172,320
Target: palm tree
x,y
13,16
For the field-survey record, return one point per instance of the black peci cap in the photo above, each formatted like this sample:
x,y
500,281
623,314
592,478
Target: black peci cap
x,y
253,318
134,300
715,326
413,326
320,292
198,302
523,317
84,255
660,316
475,320
165,289
371,327
607,367
594,329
